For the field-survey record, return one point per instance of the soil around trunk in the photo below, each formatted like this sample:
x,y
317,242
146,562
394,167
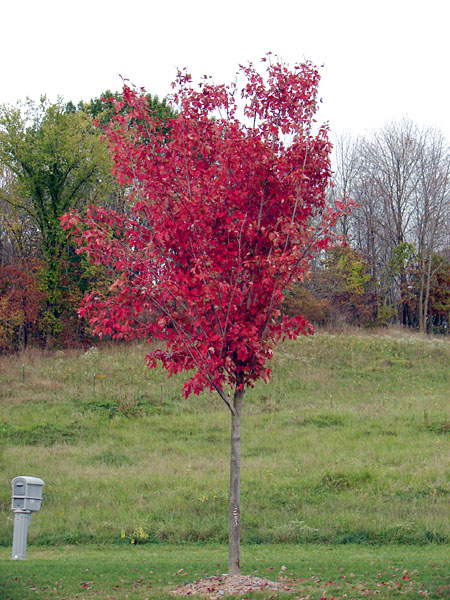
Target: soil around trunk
x,y
219,586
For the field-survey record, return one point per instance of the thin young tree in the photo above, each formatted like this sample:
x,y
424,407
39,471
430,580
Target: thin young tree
x,y
227,210
432,215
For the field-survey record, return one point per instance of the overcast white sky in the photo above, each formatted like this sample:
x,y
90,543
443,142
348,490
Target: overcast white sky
x,y
382,59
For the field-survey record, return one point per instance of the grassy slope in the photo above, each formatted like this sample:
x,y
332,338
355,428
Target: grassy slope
x,y
348,443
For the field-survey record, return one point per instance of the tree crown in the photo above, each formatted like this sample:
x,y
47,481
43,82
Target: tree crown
x,y
227,213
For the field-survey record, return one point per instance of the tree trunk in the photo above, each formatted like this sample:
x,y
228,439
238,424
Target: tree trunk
x,y
420,304
426,325
234,552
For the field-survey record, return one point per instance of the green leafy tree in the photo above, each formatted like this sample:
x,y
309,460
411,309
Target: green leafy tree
x,y
58,161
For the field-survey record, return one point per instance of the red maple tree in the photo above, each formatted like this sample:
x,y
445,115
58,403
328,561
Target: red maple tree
x,y
227,208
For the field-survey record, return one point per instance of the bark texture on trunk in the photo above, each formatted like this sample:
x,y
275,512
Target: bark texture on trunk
x,y
234,551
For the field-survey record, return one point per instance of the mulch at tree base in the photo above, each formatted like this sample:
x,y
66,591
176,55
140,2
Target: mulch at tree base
x,y
225,585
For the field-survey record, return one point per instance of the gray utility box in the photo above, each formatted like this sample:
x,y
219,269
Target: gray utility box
x,y
26,499
26,493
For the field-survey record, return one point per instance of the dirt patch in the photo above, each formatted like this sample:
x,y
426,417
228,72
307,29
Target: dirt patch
x,y
225,585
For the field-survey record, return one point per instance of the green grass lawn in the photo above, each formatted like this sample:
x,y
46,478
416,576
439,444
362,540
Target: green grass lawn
x,y
151,571
345,449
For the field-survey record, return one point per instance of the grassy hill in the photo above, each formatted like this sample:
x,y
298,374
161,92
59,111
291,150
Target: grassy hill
x,y
348,443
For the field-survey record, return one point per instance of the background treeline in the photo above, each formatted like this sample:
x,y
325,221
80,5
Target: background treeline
x,y
391,265
52,159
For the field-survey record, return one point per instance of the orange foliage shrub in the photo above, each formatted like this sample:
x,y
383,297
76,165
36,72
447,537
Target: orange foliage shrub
x,y
21,302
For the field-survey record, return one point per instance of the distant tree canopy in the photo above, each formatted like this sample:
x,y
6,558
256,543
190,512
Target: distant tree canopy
x,y
102,109
53,158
